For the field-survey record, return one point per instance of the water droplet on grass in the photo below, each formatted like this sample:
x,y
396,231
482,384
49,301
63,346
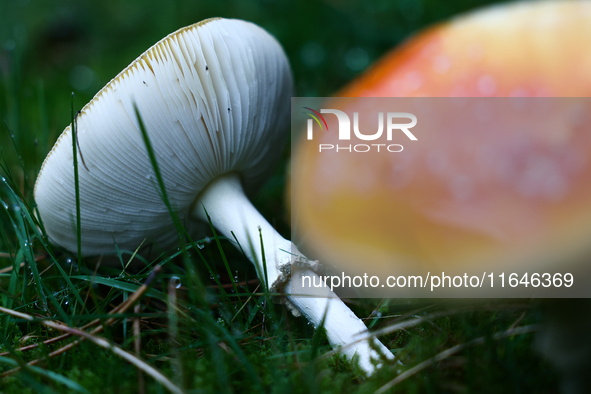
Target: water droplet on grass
x,y
175,281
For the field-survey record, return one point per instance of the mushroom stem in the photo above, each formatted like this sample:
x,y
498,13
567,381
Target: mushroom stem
x,y
230,211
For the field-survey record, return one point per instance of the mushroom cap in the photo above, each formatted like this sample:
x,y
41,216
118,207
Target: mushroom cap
x,y
463,197
520,49
214,98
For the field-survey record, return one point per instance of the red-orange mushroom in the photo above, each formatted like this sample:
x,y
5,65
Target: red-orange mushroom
x,y
460,198
522,199
523,49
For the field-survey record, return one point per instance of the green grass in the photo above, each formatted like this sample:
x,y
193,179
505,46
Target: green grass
x,y
217,332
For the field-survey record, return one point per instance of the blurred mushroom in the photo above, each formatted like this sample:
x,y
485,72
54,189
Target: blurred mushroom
x,y
466,194
215,98
506,50
464,198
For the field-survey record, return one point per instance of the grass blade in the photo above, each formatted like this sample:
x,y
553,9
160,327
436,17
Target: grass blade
x,y
70,384
76,184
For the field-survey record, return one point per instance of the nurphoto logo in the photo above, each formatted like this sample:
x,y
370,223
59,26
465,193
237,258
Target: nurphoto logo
x,y
392,124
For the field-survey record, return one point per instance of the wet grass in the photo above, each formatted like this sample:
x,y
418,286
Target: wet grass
x,y
185,318
204,322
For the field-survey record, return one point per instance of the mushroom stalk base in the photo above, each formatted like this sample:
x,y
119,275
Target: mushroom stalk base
x,y
230,212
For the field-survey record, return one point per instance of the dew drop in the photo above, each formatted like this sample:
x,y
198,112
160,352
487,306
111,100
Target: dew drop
x,y
68,261
175,281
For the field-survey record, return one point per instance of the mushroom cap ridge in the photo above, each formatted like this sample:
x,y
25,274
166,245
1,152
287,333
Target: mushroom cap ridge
x,y
214,98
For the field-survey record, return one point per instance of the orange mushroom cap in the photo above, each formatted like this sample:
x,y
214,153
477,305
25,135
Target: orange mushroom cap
x,y
523,49
459,198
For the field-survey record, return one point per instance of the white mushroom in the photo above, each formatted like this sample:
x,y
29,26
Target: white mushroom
x,y
215,99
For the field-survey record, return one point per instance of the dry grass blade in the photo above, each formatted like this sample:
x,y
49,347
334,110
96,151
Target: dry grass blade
x,y
450,352
137,344
40,273
364,336
4,255
8,269
141,364
245,303
173,330
374,311
122,308
416,321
